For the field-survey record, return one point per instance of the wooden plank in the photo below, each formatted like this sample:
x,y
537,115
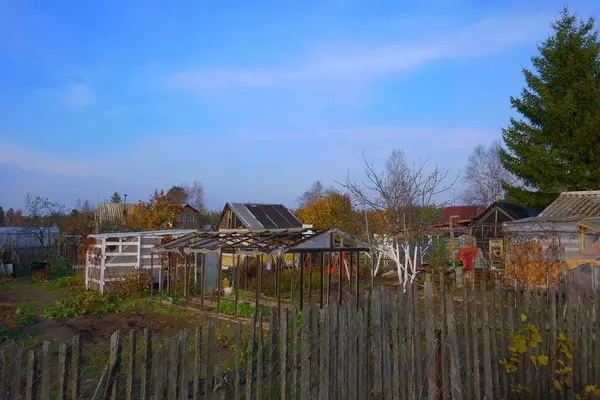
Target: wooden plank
x,y
377,345
250,361
314,343
172,374
259,360
342,350
420,378
146,366
283,352
184,364
597,341
493,325
503,341
76,362
395,349
431,358
294,357
131,365
386,343
322,280
30,388
333,350
352,350
209,382
454,355
238,360
474,331
114,360
3,372
410,345
324,356
45,371
63,370
159,367
401,343
363,367
305,354
467,343
197,362
273,358
487,358
302,261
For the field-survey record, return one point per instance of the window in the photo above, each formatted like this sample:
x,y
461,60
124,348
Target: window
x,y
187,217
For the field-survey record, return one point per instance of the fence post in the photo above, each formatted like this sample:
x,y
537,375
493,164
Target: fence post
x,y
487,359
146,367
63,356
131,365
273,355
455,379
197,362
305,355
45,370
209,383
172,370
324,356
115,365
3,371
30,388
159,367
377,345
238,359
472,311
259,359
250,361
283,352
184,364
431,358
294,366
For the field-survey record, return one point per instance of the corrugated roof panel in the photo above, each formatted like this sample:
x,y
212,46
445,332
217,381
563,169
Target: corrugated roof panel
x,y
583,204
248,219
288,215
261,216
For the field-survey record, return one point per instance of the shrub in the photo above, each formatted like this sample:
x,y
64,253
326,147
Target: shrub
x,y
88,303
135,283
40,276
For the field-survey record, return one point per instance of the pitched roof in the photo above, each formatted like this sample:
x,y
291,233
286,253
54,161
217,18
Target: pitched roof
x,y
515,211
265,216
463,212
575,204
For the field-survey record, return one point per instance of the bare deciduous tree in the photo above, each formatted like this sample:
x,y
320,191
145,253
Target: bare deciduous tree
x,y
308,197
404,192
42,214
195,195
484,176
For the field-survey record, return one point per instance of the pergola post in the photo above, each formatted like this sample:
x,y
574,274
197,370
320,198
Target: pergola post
x,y
310,285
258,281
185,276
329,266
195,273
202,279
219,267
151,274
357,278
160,276
247,272
294,259
235,266
302,258
278,286
322,278
341,284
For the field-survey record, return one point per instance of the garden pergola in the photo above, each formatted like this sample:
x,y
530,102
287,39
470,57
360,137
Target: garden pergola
x,y
194,247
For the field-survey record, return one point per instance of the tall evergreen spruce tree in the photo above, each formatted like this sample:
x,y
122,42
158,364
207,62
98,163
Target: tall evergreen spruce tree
x,y
555,145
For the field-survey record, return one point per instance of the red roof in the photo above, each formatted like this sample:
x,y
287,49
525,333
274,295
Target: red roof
x,y
462,212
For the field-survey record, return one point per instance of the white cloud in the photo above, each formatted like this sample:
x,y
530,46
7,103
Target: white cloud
x,y
78,95
71,95
361,64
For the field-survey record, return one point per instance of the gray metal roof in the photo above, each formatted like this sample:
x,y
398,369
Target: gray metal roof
x,y
265,216
575,204
164,232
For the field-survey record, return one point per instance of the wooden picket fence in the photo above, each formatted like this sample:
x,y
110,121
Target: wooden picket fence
x,y
389,344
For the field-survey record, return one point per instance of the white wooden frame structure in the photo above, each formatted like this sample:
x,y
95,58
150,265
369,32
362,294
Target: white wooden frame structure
x,y
115,254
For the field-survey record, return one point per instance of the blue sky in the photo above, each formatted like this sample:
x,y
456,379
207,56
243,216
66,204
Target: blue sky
x,y
254,99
